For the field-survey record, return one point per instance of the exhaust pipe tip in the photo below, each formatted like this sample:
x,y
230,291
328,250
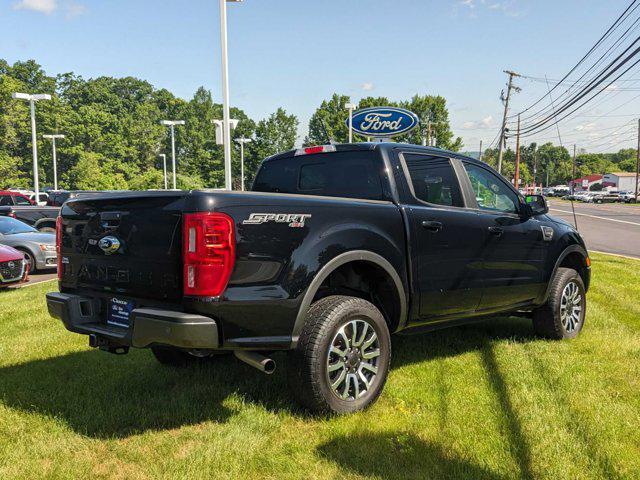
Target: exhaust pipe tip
x,y
254,359
269,366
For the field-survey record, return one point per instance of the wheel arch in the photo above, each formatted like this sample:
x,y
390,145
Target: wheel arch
x,y
576,257
341,261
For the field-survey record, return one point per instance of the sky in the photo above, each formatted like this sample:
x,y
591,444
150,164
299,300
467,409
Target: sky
x,y
294,53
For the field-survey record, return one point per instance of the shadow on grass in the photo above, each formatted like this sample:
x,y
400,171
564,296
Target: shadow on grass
x,y
399,456
102,395
449,342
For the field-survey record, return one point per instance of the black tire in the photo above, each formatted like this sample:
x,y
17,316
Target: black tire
x,y
179,358
30,259
549,321
308,366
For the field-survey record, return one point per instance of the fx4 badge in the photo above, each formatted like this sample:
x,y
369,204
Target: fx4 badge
x,y
295,220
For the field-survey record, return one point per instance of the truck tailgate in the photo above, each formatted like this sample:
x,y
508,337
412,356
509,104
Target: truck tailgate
x,y
128,244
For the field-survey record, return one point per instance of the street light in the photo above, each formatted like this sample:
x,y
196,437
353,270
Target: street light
x,y
171,124
226,131
55,161
32,99
351,107
242,141
164,168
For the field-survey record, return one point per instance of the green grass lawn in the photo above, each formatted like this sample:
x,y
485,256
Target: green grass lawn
x,y
487,400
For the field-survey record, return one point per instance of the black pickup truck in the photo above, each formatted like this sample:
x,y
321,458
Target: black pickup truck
x,y
40,218
335,248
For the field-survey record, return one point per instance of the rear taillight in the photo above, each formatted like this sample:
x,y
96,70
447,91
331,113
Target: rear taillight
x,y
209,253
12,215
59,245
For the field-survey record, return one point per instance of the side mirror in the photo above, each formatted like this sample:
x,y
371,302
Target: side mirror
x,y
537,204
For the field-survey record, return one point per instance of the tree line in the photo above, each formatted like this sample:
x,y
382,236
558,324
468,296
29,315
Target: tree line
x,y
114,136
554,163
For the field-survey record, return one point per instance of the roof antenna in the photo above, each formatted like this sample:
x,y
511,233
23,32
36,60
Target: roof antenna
x,y
326,132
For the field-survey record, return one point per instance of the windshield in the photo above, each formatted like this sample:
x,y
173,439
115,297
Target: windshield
x,y
11,226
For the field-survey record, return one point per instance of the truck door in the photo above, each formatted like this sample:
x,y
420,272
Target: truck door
x,y
446,238
514,254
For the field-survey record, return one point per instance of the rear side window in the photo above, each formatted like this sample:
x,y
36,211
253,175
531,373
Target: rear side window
x,y
339,174
21,200
5,200
434,180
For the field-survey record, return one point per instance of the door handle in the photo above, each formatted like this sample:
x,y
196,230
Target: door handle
x,y
432,226
497,231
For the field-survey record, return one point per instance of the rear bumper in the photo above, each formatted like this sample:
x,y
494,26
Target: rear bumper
x,y
148,326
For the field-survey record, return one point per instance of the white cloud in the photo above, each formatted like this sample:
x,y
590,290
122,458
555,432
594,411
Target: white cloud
x,y
510,8
43,6
468,125
74,9
367,86
487,121
585,127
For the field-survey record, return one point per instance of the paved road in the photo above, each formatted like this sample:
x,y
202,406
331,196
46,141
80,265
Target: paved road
x,y
37,278
611,227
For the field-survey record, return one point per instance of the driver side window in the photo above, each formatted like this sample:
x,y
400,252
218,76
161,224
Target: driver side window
x,y
491,192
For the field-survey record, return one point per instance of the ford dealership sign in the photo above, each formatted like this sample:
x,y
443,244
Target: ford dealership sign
x,y
383,122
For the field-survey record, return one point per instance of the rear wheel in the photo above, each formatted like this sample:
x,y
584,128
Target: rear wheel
x,y
341,362
562,317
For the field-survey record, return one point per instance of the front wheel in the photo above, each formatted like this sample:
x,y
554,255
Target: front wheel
x,y
562,317
341,361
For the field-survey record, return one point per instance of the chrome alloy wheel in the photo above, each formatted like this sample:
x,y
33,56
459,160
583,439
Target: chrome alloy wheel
x,y
352,361
571,307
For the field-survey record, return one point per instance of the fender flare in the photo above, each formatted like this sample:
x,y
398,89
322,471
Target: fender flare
x,y
570,249
40,221
330,267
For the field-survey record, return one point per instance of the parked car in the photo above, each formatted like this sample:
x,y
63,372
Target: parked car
x,y
602,197
628,197
43,198
10,198
38,248
14,268
335,248
41,218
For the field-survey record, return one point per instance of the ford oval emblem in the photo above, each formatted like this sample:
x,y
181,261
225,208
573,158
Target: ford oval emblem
x,y
383,122
109,245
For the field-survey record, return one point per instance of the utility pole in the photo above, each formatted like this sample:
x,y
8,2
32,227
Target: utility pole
x,y
638,162
480,154
573,172
535,171
516,179
503,139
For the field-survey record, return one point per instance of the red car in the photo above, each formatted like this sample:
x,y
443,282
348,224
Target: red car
x,y
14,198
13,266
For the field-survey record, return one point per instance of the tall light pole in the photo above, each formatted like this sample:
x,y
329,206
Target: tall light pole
x,y
32,99
171,124
226,130
164,169
351,107
242,141
55,160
